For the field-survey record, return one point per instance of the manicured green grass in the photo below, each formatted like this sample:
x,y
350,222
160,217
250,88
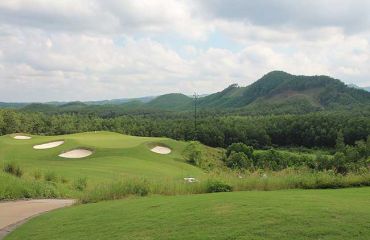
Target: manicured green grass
x,y
286,214
115,156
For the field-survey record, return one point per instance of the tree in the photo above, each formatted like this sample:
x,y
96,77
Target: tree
x,y
240,148
2,124
339,163
239,160
339,143
193,153
323,162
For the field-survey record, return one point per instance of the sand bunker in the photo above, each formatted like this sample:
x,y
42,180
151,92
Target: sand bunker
x,y
76,153
48,145
161,150
21,137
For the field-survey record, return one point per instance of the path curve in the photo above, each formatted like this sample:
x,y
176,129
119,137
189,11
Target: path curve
x,y
15,213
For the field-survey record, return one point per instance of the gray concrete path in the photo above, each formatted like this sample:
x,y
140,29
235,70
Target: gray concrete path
x,y
14,213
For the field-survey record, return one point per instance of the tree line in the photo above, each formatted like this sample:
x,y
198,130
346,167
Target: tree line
x,y
309,130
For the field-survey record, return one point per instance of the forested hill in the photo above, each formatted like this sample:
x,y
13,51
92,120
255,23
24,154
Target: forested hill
x,y
275,93
278,89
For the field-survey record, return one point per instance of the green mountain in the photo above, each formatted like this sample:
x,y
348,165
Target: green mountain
x,y
275,93
172,101
280,91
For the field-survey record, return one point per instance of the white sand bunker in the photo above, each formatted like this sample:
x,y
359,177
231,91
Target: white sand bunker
x,y
22,137
161,150
48,145
76,153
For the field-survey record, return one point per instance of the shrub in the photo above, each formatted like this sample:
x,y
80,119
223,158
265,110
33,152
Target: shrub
x,y
50,177
276,160
13,169
37,175
339,163
323,162
218,186
193,153
240,148
80,184
239,160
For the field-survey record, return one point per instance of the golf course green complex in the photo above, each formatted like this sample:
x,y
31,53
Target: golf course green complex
x,y
128,187
286,214
112,156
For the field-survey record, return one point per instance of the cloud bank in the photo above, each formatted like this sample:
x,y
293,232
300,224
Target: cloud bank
x,y
89,50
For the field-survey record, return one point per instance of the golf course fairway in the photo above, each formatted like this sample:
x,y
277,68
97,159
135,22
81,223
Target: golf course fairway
x,y
287,214
113,156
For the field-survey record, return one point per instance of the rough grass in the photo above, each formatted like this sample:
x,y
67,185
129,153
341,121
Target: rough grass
x,y
12,187
287,179
286,214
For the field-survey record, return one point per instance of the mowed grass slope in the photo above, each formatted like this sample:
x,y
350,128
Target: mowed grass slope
x,y
115,156
286,214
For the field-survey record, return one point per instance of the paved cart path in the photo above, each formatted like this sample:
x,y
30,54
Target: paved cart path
x,y
14,213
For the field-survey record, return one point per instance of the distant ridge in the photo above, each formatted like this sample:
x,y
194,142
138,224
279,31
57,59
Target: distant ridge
x,y
275,93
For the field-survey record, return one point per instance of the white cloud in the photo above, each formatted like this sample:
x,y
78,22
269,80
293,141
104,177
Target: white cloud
x,y
88,50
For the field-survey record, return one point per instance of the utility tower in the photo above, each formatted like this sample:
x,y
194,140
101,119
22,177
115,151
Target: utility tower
x,y
196,96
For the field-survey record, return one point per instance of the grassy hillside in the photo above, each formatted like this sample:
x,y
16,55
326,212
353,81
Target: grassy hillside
x,y
298,214
114,156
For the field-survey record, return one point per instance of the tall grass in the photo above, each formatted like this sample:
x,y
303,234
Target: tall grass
x,y
12,187
13,168
225,181
18,184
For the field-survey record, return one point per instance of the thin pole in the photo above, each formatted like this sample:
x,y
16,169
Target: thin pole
x,y
195,115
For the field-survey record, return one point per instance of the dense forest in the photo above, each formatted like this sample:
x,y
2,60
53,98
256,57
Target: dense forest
x,y
309,130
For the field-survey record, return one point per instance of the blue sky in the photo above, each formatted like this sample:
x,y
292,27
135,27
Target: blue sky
x,y
95,49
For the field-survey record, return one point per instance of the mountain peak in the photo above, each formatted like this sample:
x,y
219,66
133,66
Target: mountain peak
x,y
277,72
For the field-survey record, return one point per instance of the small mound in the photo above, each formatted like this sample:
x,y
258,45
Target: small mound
x,y
161,150
22,137
76,153
48,145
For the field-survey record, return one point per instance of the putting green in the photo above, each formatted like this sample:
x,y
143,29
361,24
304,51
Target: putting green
x,y
114,156
288,214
